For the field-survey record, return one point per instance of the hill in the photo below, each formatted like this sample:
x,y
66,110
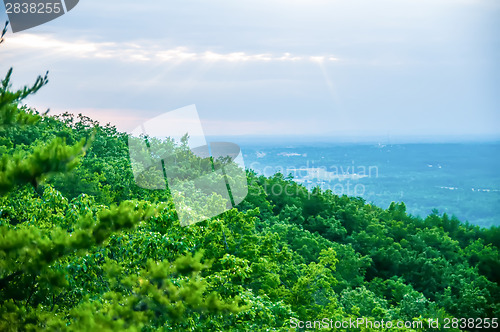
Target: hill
x,y
83,247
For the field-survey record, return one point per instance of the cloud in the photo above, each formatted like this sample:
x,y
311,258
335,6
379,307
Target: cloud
x,y
127,120
142,51
124,119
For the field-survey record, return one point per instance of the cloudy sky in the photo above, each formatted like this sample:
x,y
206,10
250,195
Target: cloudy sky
x,y
427,69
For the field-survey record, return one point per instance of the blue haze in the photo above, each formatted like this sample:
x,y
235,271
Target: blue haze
x,y
461,179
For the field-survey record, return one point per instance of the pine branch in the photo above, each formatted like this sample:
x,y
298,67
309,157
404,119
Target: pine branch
x,y
4,31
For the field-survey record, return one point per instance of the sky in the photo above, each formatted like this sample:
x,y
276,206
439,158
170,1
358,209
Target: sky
x,y
351,69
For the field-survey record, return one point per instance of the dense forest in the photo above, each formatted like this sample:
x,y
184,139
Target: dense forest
x,y
83,248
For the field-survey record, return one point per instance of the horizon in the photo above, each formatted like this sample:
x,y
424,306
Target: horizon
x,y
322,139
426,68
284,139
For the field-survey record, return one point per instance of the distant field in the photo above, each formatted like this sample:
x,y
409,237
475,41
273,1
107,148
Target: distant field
x,y
459,179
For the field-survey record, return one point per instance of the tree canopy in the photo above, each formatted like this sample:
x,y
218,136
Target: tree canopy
x,y
82,247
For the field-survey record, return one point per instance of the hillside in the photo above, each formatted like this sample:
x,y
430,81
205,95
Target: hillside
x,y
82,247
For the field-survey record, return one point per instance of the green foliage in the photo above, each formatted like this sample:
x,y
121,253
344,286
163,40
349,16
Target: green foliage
x,y
54,272
9,102
82,247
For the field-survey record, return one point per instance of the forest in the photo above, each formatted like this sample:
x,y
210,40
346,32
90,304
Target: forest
x,y
83,248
